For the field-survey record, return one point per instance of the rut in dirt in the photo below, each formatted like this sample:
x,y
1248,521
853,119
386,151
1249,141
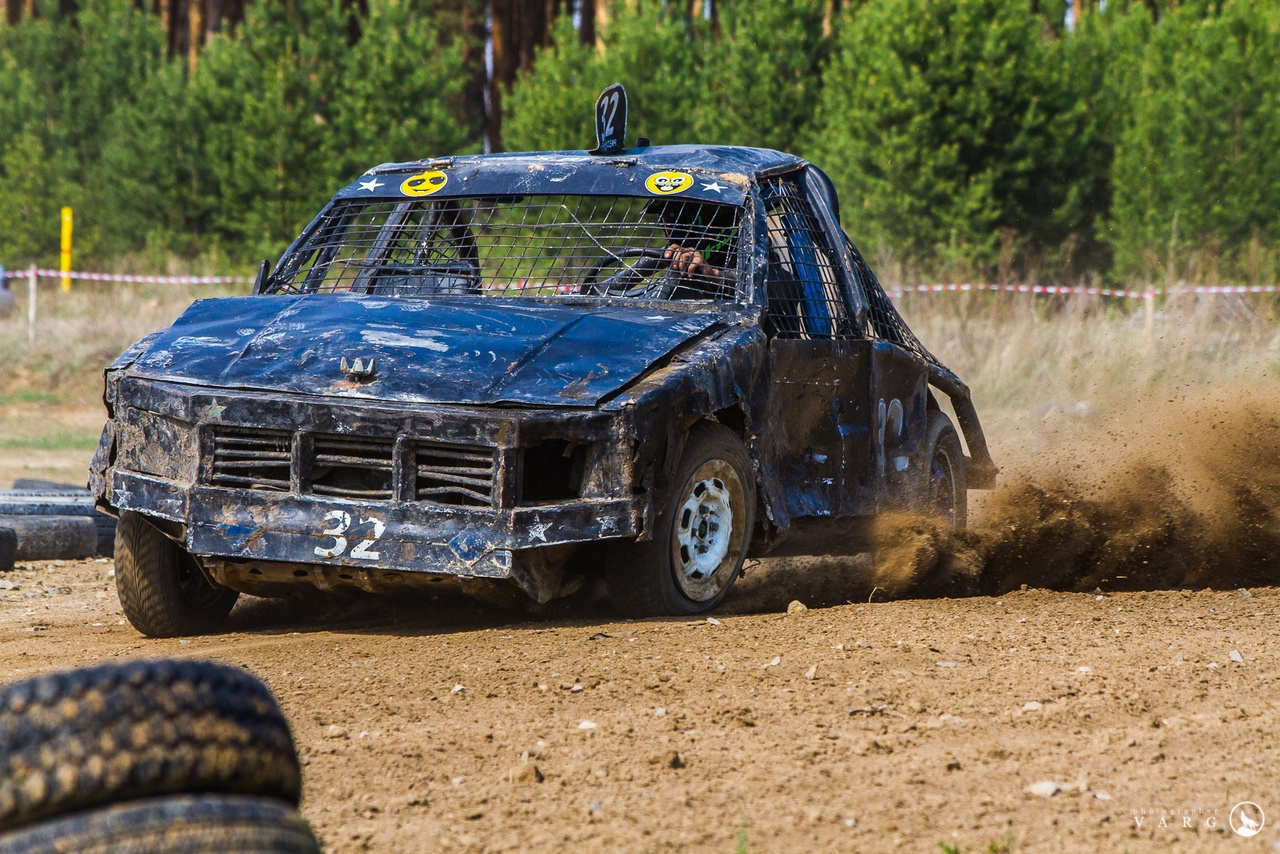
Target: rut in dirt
x,y
1184,494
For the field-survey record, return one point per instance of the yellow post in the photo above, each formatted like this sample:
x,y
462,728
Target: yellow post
x,y
66,248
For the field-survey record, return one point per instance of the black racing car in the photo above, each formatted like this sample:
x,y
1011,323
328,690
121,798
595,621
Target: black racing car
x,y
502,374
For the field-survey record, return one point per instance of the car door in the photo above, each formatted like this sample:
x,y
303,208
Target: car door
x,y
898,391
819,365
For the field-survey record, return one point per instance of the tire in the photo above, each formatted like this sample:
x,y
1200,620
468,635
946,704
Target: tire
x,y
162,590
34,483
203,824
42,537
81,738
8,548
946,489
50,502
694,556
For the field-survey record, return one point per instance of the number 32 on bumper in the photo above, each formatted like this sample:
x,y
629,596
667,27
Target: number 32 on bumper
x,y
339,524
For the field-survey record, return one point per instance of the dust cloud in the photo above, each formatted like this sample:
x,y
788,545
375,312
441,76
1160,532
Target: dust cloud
x,y
1178,493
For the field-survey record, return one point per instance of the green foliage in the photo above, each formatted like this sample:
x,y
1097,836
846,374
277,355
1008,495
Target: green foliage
x,y
401,93
946,122
762,77
655,52
33,190
965,136
1196,178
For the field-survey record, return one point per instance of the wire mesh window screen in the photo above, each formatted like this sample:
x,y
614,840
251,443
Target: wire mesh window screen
x,y
805,296
542,246
886,324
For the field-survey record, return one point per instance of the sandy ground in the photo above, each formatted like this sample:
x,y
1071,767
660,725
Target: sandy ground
x,y
857,727
1034,720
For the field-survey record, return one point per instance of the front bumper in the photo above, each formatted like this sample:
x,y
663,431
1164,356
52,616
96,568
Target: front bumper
x,y
401,536
165,454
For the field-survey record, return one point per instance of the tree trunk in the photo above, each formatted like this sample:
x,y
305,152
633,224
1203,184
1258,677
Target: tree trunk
x,y
12,11
195,34
179,38
587,21
531,31
602,22
500,17
830,12
472,27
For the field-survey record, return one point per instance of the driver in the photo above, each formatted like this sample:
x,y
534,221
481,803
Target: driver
x,y
700,238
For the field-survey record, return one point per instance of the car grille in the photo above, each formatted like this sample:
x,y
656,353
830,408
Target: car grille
x,y
251,459
356,467
454,474
352,467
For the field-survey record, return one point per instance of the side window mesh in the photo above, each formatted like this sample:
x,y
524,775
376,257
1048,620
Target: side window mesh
x,y
886,324
803,283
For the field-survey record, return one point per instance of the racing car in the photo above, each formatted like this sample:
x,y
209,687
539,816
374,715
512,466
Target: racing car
x,y
506,374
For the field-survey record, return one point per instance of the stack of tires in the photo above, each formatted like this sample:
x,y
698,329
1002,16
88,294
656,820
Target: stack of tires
x,y
40,520
148,756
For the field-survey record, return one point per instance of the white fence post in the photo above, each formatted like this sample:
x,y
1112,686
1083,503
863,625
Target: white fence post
x,y
31,306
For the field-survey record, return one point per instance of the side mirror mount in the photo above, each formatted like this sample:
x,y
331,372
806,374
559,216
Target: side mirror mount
x,y
264,277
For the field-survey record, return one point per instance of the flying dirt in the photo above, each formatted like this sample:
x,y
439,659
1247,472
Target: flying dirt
x,y
1182,493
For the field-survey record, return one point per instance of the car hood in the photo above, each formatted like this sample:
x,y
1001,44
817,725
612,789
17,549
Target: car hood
x,y
476,352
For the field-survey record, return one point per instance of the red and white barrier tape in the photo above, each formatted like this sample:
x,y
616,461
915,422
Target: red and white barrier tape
x,y
896,292
126,277
1101,292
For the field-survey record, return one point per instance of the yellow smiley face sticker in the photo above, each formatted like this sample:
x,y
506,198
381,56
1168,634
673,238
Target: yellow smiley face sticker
x,y
668,183
424,184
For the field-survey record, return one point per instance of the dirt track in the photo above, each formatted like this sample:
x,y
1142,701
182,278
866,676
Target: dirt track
x,y
449,725
855,727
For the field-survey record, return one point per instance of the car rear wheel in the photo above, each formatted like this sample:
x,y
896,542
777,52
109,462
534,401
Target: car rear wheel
x,y
701,535
162,590
946,489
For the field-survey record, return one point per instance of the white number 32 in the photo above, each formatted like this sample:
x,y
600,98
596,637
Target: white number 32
x,y
339,524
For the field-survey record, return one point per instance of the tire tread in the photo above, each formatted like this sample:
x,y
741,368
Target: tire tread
x,y
79,738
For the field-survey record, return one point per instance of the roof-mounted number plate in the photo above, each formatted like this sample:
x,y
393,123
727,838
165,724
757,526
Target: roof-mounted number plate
x,y
611,120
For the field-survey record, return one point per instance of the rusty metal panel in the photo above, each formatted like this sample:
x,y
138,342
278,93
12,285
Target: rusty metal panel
x,y
818,417
424,352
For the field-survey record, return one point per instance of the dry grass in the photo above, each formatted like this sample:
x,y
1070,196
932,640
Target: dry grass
x,y
1018,353
80,333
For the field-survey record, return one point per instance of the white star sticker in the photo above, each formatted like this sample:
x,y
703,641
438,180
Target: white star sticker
x,y
215,412
370,185
714,187
538,530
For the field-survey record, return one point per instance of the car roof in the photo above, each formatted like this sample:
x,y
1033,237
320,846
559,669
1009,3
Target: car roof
x,y
713,158
725,172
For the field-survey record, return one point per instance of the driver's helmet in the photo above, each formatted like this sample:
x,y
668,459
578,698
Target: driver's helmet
x,y
706,226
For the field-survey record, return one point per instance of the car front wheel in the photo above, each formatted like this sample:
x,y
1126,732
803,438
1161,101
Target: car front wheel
x,y
162,590
701,536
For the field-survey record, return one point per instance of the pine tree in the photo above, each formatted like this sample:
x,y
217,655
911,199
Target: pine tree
x,y
762,75
654,52
945,123
1196,177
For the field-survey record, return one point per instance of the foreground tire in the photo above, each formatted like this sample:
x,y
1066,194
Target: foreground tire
x,y
163,592
82,738
205,824
31,499
700,537
946,492
8,548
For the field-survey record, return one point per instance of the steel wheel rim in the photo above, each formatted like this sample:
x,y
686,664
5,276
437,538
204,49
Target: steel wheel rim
x,y
707,535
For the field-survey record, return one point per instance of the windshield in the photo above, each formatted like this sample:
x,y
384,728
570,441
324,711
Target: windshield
x,y
513,246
